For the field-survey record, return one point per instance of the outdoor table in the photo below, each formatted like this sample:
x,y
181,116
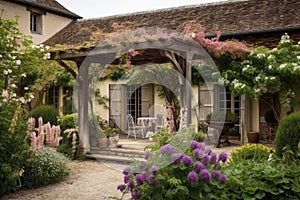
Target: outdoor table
x,y
148,123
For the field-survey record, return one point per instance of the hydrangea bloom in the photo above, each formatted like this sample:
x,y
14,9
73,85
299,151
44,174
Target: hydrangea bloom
x,y
223,179
176,158
147,154
213,158
198,166
167,149
223,156
154,169
193,178
187,160
121,187
205,175
216,175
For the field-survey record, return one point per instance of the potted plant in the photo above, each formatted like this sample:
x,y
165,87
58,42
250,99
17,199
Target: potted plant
x,y
113,135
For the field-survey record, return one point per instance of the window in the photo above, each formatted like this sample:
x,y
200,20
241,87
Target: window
x,y
134,100
35,23
229,102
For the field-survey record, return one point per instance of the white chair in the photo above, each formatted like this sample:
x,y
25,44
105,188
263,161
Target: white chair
x,y
133,129
160,122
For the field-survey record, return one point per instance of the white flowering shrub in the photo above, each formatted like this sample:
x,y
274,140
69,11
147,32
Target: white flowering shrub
x,y
47,166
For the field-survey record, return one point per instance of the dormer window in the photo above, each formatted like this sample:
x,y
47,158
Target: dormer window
x,y
36,23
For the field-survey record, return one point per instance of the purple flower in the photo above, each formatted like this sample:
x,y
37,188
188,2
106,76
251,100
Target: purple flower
x,y
205,175
216,175
130,185
223,179
207,151
167,149
194,144
176,158
149,179
126,178
154,169
213,157
147,154
198,153
223,156
205,160
135,195
139,179
143,165
121,187
198,166
144,176
193,178
201,145
155,182
187,160
126,171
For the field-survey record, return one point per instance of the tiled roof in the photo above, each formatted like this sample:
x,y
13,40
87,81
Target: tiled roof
x,y
49,5
223,17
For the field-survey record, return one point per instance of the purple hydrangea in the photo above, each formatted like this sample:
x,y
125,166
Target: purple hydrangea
x,y
147,154
223,156
205,175
176,158
198,153
205,160
207,151
139,179
154,169
186,160
126,178
130,185
143,165
167,149
126,171
223,179
193,178
194,144
213,157
198,166
135,194
216,175
149,179
155,182
121,187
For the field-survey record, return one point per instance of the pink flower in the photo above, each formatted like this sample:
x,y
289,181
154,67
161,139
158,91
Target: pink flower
x,y
4,93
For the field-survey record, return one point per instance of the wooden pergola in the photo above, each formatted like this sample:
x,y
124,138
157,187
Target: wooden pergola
x,y
178,52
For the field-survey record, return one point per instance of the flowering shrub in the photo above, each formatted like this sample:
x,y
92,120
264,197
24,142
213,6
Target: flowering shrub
x,y
47,166
255,152
187,176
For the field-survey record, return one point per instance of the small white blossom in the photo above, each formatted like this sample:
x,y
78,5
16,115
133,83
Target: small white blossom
x,y
13,85
18,62
31,96
26,88
270,66
272,78
261,55
298,57
9,71
193,35
23,75
282,66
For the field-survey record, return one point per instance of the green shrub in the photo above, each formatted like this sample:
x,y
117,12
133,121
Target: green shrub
x,y
68,121
47,166
14,149
255,152
47,112
288,133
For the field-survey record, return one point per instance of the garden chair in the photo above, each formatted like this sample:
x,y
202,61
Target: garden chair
x,y
133,129
160,122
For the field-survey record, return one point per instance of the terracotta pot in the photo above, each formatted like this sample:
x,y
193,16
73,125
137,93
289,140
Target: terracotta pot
x,y
253,137
102,142
114,140
94,142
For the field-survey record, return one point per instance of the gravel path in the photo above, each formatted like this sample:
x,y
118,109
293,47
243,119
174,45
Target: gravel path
x,y
88,180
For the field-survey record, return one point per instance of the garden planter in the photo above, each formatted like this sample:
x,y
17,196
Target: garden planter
x,y
253,137
94,142
103,142
114,140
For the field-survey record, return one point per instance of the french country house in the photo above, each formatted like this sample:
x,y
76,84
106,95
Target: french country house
x,y
255,22
41,19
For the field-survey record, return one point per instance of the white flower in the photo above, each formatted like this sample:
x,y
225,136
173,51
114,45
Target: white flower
x,y
47,47
31,96
270,57
298,57
5,72
270,66
261,55
13,85
257,78
272,78
26,88
0,56
193,35
14,94
256,90
23,75
18,62
9,71
282,66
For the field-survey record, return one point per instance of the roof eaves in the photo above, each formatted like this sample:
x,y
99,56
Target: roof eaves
x,y
51,9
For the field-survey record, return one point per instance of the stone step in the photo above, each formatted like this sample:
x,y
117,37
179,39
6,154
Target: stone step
x,y
113,158
114,151
115,155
